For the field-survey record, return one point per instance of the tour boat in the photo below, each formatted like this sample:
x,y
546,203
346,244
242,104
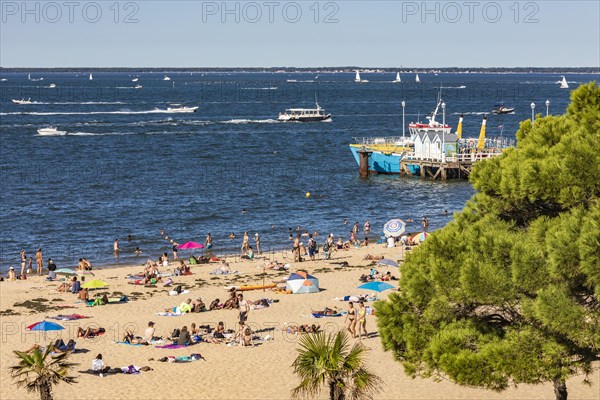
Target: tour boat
x,y
50,131
304,114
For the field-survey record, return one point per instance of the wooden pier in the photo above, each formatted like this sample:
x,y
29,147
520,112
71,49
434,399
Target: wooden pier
x,y
457,166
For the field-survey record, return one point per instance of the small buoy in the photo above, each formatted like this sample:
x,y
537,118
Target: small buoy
x,y
307,195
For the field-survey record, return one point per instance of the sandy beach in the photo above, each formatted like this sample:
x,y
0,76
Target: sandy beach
x,y
228,372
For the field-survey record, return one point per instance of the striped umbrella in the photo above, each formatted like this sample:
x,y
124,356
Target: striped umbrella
x,y
394,227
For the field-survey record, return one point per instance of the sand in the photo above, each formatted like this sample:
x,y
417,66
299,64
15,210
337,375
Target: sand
x,y
261,372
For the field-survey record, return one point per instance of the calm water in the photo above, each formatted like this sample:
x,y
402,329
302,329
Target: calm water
x,y
128,167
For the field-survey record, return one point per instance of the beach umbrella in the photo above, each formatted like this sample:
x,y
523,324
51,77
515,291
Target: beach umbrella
x,y
376,286
301,282
419,237
388,262
64,271
94,284
190,246
45,326
394,227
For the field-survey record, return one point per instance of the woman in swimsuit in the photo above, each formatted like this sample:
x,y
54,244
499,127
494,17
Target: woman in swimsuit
x,y
351,319
362,320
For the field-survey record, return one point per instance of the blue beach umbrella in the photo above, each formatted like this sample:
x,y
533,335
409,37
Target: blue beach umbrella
x,y
45,326
376,286
64,271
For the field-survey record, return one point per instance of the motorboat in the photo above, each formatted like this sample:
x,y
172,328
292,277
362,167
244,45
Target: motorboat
x,y
501,109
135,80
138,87
304,114
22,101
51,86
51,131
166,78
178,108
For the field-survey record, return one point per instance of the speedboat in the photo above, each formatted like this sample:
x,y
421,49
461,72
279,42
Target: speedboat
x,y
138,87
22,101
135,80
49,131
501,109
304,114
181,109
51,86
166,78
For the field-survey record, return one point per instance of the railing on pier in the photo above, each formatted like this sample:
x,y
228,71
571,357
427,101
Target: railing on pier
x,y
388,140
463,158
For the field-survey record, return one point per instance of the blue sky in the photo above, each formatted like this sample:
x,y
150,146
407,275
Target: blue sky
x,y
299,33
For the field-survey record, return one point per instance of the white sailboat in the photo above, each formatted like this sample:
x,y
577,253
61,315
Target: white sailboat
x,y
29,77
91,77
357,78
417,79
166,78
563,83
397,80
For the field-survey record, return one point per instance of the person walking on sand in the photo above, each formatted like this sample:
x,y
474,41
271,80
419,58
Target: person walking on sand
x,y
23,261
361,320
350,320
312,247
39,260
257,241
245,243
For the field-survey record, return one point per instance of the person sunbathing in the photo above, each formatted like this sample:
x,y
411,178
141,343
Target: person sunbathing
x,y
129,338
61,347
232,302
304,328
327,311
89,332
198,306
244,336
215,305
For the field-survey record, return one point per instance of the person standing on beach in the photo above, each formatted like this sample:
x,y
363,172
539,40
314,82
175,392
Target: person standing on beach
x,y
243,307
245,243
23,261
361,320
175,251
312,247
39,260
351,319
257,241
355,229
116,248
367,228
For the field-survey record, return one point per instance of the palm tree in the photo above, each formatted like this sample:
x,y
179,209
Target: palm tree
x,y
328,359
38,370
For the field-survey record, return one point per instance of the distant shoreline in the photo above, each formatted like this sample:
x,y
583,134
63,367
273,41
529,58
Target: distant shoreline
x,y
345,69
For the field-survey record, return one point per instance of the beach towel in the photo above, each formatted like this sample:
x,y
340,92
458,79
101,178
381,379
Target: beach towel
x,y
173,346
168,314
70,317
317,315
130,344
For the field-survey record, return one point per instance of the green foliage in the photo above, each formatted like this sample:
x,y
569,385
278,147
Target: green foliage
x,y
509,291
38,370
329,360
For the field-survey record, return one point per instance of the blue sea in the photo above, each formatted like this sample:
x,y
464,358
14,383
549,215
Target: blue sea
x,y
127,166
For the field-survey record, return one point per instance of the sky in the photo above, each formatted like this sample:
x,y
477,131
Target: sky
x,y
267,33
